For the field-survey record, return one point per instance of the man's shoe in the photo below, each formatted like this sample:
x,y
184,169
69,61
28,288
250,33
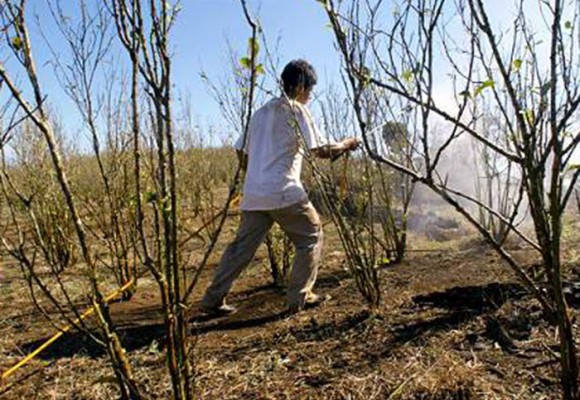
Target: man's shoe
x,y
221,310
311,301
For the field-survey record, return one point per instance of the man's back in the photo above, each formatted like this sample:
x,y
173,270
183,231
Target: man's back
x,y
275,156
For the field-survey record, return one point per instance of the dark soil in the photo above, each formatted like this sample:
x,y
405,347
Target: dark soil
x,y
453,324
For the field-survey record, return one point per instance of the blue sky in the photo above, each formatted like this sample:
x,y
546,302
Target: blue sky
x,y
206,26
200,42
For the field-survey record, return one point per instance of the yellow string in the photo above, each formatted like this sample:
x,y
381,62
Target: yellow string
x,y
237,199
67,328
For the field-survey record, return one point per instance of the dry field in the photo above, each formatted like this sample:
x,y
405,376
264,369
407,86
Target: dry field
x,y
453,324
475,109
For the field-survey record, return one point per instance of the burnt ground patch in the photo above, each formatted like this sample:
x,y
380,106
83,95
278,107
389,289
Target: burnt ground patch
x,y
471,299
453,307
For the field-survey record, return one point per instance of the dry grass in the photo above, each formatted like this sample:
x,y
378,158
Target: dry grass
x,y
430,338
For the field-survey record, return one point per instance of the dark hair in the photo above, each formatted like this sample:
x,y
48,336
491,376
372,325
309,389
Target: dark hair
x,y
298,73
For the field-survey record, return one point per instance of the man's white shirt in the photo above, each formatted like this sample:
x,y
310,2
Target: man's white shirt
x,y
277,135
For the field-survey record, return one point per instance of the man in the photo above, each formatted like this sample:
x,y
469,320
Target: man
x,y
278,134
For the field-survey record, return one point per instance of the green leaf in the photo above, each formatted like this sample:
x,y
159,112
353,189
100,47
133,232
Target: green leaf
x,y
245,62
529,116
253,46
150,197
365,76
545,88
465,93
573,167
260,69
484,85
407,75
517,64
568,24
16,42
166,210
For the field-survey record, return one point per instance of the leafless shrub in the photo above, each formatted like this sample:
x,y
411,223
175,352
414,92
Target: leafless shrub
x,y
498,185
17,39
144,30
367,202
534,86
106,201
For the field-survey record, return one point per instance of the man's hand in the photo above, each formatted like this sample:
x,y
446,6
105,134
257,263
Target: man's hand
x,y
335,150
351,143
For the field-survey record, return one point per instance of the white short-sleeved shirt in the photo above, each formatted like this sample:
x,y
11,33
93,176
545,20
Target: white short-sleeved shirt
x,y
277,134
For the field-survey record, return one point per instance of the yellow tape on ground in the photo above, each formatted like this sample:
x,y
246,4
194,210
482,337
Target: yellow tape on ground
x,y
67,328
236,200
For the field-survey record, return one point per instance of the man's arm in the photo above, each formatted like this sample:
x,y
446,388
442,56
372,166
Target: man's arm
x,y
335,150
312,136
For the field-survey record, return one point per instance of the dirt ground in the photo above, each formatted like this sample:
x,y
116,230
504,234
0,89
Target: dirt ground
x,y
453,324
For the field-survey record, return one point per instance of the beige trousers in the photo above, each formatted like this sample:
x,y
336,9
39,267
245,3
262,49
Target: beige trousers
x,y
302,225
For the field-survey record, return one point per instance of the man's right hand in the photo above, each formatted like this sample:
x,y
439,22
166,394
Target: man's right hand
x,y
351,143
335,150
